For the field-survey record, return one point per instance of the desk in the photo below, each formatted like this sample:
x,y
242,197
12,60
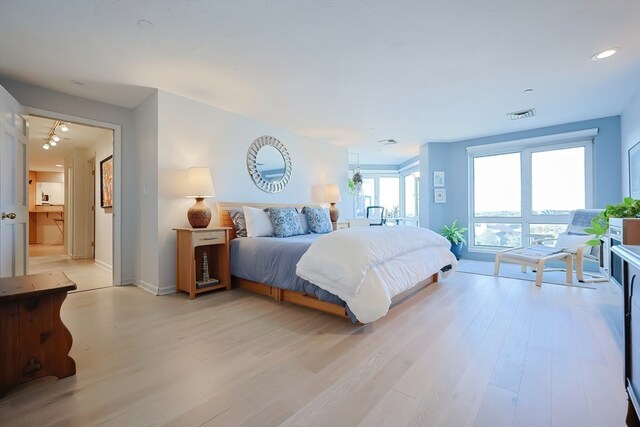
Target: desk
x,y
34,341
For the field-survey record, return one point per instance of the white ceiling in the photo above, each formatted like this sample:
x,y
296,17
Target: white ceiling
x,y
79,136
347,72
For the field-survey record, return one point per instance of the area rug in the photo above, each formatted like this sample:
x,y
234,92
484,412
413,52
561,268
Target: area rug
x,y
513,271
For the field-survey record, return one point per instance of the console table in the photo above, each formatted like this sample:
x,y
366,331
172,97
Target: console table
x,y
34,341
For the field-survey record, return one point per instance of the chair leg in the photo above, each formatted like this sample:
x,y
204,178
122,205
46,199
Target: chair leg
x,y
579,267
523,268
540,269
496,266
569,261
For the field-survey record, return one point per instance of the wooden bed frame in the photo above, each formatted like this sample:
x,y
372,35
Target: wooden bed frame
x,y
295,297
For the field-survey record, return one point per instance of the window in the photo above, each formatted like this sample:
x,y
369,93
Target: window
x,y
523,191
397,192
390,195
411,195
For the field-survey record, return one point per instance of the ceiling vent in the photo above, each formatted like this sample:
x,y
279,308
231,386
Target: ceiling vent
x,y
522,114
388,141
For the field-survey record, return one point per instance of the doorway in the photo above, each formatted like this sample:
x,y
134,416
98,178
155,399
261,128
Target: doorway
x,y
71,228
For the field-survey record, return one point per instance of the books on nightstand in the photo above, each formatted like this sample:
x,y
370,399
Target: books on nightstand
x,y
206,283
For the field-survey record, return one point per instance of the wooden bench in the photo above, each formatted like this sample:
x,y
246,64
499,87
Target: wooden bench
x,y
34,343
527,257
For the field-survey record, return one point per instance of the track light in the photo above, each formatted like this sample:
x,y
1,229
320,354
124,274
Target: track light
x,y
52,139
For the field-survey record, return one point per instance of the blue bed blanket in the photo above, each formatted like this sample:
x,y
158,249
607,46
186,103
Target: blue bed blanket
x,y
272,261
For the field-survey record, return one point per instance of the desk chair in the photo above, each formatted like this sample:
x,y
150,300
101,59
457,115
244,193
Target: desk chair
x,y
376,215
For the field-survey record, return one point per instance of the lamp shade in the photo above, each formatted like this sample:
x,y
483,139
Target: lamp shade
x,y
199,183
332,193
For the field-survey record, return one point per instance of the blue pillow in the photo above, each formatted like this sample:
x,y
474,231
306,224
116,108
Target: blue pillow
x,y
318,220
285,221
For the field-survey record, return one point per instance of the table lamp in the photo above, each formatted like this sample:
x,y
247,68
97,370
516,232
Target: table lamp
x,y
332,195
199,186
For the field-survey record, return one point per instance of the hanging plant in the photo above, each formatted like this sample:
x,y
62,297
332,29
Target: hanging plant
x,y
357,177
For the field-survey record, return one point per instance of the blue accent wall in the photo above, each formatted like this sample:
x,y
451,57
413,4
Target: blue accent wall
x,y
453,160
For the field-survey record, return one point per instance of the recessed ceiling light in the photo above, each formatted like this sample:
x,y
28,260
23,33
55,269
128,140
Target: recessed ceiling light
x,y
55,137
63,128
58,166
53,143
604,54
45,146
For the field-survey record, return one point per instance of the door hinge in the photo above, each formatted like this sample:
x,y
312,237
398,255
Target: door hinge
x,y
93,244
93,208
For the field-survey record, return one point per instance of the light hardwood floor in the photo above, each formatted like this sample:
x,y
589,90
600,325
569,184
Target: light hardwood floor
x,y
469,351
85,273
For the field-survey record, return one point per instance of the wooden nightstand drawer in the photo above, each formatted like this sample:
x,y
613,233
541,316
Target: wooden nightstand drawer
x,y
208,238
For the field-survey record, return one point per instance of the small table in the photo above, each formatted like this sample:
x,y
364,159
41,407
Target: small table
x,y
526,257
34,342
194,247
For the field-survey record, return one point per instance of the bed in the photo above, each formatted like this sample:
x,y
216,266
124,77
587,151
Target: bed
x,y
271,269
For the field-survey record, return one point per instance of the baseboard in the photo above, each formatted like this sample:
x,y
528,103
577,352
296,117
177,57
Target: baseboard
x,y
146,286
167,289
103,264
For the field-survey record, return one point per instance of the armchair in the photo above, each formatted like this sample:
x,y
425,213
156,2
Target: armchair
x,y
574,242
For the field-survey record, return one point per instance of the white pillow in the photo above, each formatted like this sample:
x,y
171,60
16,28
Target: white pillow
x,y
570,242
258,222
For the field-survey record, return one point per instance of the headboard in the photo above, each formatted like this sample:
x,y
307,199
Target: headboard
x,y
225,217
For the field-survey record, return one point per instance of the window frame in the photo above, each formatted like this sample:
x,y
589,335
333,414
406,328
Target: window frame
x,y
526,148
401,174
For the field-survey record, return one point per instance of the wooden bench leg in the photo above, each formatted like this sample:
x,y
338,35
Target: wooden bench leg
x,y
539,270
569,262
496,266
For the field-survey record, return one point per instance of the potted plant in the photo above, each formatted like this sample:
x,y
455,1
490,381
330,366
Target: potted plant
x,y
455,234
629,208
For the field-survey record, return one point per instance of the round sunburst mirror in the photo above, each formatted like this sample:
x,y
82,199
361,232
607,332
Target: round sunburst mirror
x,y
269,164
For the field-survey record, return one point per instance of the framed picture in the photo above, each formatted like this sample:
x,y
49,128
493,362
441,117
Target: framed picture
x,y
106,182
438,178
440,195
634,171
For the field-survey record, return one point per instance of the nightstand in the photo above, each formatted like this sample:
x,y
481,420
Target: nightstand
x,y
194,247
340,225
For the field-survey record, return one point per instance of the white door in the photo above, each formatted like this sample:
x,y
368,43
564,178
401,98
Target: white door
x,y
14,202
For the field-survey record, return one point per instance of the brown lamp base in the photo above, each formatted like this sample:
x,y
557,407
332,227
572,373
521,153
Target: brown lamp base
x,y
334,213
199,214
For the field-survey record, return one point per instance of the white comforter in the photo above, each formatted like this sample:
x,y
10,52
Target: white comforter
x,y
367,266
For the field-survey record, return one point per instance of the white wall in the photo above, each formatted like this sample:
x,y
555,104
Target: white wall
x,y
146,178
98,151
195,134
630,135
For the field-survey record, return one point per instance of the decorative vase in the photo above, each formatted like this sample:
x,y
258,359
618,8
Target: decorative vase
x,y
334,213
199,214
